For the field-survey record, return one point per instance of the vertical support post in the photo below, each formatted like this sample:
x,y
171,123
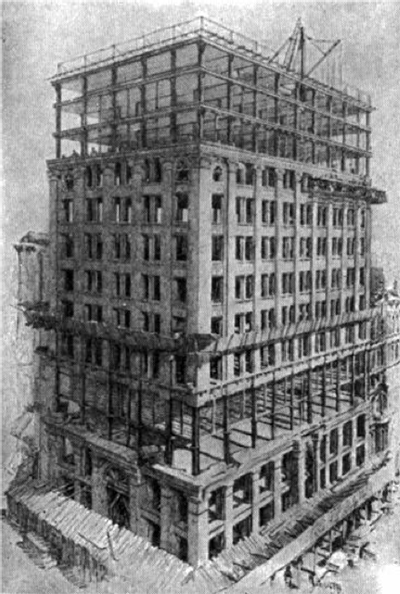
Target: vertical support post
x,y
338,371
229,96
195,441
169,450
253,415
353,378
200,87
57,373
173,96
143,139
109,403
128,421
58,120
323,396
140,407
310,397
273,406
114,108
225,421
292,388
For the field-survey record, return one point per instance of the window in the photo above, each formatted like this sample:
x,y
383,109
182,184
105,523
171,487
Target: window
x,y
244,210
151,287
361,427
181,248
180,369
237,364
337,246
268,212
321,246
216,325
350,217
216,544
94,246
217,289
94,210
306,214
216,205
346,464
320,279
267,355
67,246
182,207
320,309
351,244
217,174
267,318
267,285
68,308
333,442
322,213
348,434
121,247
287,283
289,179
216,505
288,213
152,209
93,281
68,210
288,248
350,277
244,287
180,289
68,280
217,248
267,477
360,455
267,248
216,368
241,530
303,346
93,312
266,513
248,248
333,472
67,345
249,287
288,350
305,247
242,490
305,281
182,171
239,281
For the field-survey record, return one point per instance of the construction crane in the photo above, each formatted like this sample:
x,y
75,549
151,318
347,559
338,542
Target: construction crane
x,y
296,54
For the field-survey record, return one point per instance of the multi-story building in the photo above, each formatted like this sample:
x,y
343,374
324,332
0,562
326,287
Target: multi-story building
x,y
212,357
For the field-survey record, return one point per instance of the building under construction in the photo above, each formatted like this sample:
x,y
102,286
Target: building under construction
x,y
212,374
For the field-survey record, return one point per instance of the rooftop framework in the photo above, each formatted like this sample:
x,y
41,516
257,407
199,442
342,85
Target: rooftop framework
x,y
206,86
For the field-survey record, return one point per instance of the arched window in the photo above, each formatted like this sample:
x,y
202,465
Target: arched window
x,y
117,174
89,177
69,181
99,175
217,173
147,170
182,171
157,170
240,174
